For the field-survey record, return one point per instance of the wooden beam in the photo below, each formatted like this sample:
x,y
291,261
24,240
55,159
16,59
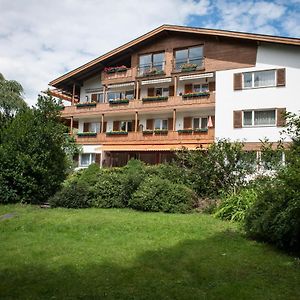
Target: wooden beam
x,y
73,93
136,122
102,123
71,125
174,119
175,85
104,93
137,96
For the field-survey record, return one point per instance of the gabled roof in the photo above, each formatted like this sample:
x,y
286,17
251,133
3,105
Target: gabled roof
x,y
175,28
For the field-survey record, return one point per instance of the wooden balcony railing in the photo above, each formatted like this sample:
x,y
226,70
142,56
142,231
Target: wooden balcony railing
x,y
139,105
171,137
117,76
189,65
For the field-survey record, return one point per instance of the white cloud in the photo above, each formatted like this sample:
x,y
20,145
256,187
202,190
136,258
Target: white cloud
x,y
40,40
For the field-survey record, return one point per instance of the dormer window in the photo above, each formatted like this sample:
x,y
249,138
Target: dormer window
x,y
152,64
189,59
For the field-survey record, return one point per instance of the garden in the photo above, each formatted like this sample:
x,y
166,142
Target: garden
x,y
220,223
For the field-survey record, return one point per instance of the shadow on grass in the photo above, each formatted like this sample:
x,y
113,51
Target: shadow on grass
x,y
224,266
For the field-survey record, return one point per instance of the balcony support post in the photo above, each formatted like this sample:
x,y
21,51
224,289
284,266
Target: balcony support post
x,y
73,94
175,86
174,119
104,93
102,123
71,125
137,96
136,122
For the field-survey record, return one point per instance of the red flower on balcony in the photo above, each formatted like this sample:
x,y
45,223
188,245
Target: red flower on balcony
x,y
115,69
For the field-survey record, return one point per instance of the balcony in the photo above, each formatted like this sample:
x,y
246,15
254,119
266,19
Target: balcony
x,y
166,138
189,65
173,102
117,75
151,70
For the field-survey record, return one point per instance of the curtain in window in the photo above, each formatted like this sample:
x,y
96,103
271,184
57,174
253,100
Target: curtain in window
x,y
247,118
266,117
247,80
95,127
265,78
85,159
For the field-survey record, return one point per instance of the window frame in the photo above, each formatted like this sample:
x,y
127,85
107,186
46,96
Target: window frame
x,y
200,122
126,125
253,118
160,124
201,87
122,95
188,58
88,97
164,91
92,159
151,65
253,77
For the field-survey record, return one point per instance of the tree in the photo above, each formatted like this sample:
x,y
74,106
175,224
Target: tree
x,y
275,216
223,166
33,160
11,98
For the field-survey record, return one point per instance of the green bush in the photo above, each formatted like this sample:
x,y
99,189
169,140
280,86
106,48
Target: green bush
x,y
172,172
157,194
108,191
223,166
275,216
233,207
133,175
71,196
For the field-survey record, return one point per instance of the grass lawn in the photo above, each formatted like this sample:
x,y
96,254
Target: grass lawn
x,y
123,254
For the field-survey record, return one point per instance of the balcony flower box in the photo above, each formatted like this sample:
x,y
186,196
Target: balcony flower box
x,y
86,134
119,101
110,70
188,67
86,104
201,130
153,72
182,131
147,132
116,133
195,95
154,99
160,131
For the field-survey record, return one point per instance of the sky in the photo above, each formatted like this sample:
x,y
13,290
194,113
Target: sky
x,y
41,40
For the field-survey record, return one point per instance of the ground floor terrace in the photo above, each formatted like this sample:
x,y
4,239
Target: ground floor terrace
x,y
121,158
118,155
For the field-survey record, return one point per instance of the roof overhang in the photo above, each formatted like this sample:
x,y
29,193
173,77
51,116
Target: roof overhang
x,y
73,75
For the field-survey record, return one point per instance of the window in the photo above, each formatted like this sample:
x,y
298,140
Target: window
x,y
259,79
125,126
153,61
200,123
120,95
259,118
160,124
95,97
199,88
129,94
86,159
162,92
94,127
193,55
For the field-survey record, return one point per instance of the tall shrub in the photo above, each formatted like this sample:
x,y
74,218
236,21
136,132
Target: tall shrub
x,y
33,158
223,166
